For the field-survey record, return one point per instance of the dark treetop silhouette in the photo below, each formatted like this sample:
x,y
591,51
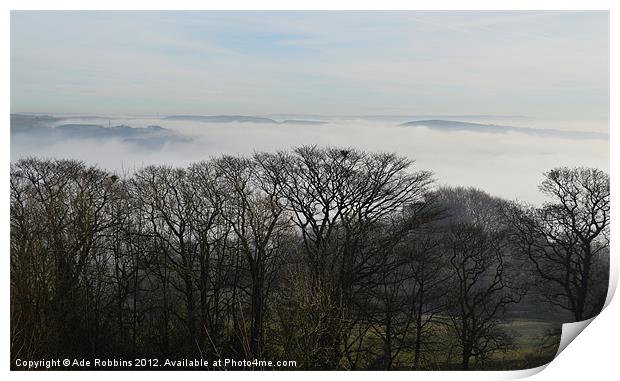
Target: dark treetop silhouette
x,y
332,257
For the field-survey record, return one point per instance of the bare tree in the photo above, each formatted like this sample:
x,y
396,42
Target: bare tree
x,y
168,204
59,223
567,239
337,258
212,232
255,211
336,197
481,290
430,282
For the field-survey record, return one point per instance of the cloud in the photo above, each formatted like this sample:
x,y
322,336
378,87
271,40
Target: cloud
x,y
452,126
531,63
508,165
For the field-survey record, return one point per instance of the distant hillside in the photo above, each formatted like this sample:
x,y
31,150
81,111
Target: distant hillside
x,y
25,121
40,128
222,119
453,125
240,119
304,122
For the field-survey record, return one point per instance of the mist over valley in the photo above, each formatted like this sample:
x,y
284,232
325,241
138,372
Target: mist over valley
x,y
485,151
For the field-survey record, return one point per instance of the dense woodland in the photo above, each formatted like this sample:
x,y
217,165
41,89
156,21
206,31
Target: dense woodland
x,y
335,258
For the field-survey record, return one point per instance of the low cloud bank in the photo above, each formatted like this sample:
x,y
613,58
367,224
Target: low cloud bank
x,y
509,164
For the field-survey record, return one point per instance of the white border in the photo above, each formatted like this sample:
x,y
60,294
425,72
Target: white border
x,y
592,355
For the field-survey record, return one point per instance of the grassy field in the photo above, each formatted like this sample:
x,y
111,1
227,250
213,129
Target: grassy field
x,y
534,343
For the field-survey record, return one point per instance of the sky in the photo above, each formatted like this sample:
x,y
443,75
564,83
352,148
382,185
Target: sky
x,y
525,69
548,65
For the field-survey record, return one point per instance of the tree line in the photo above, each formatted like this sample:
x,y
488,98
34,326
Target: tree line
x,y
333,257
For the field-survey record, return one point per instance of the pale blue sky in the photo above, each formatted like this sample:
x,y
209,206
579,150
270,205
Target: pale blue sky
x,y
540,64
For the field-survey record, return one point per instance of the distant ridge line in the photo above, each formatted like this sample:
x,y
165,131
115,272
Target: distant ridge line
x,y
453,125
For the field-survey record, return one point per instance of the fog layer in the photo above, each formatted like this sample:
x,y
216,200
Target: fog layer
x,y
508,164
